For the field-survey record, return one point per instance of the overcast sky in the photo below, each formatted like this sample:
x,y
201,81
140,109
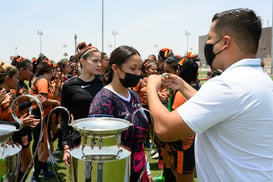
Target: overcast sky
x,y
147,25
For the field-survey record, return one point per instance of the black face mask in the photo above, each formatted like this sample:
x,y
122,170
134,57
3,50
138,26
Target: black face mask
x,y
130,80
209,54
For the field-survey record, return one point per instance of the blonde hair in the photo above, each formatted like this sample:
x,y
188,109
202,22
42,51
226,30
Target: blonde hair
x,y
6,70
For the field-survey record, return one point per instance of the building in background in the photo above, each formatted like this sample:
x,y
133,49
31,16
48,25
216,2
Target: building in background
x,y
264,50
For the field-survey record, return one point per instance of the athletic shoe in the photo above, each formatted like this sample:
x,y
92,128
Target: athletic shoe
x,y
155,156
34,179
147,144
48,175
153,152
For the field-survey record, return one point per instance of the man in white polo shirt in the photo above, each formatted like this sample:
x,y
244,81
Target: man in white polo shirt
x,y
232,114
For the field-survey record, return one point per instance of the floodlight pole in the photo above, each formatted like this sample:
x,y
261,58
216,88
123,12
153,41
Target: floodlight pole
x,y
272,43
40,33
187,34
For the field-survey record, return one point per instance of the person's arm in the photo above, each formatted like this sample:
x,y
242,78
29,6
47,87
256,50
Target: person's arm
x,y
51,102
169,126
148,170
43,89
24,105
66,102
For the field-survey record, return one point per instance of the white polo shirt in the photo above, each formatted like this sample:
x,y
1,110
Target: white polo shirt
x,y
232,115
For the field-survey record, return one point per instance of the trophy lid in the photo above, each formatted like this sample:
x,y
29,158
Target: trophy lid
x,y
100,125
6,129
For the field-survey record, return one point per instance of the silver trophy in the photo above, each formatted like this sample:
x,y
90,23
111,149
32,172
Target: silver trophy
x,y
100,157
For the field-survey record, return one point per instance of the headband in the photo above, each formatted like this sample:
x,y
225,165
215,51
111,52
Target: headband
x,y
86,52
148,63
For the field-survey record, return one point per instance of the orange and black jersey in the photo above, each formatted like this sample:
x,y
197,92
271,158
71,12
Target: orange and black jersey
x,y
40,85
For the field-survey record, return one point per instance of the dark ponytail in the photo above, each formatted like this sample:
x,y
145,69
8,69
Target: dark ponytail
x,y
189,69
20,62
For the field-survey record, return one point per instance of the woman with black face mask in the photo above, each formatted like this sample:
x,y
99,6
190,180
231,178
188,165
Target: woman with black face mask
x,y
117,100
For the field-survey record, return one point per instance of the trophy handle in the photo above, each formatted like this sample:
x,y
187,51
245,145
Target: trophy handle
x,y
48,144
13,109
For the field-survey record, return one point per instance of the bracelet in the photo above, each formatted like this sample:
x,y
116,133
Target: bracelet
x,y
67,150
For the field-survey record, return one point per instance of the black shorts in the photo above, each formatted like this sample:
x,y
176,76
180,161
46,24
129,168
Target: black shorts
x,y
23,137
36,133
182,159
36,130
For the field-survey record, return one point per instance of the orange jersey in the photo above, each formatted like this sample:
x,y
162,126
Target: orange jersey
x,y
141,89
41,86
179,99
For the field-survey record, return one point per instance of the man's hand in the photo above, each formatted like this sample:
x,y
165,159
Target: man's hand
x,y
172,81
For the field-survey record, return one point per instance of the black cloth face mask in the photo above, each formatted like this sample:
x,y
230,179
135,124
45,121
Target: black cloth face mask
x,y
209,54
130,80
